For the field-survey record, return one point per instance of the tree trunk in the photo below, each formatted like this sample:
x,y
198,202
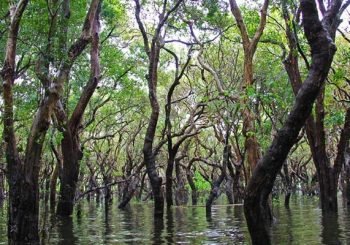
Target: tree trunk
x,y
214,193
169,180
346,173
69,174
249,131
181,195
2,186
53,184
129,192
152,50
194,193
229,189
216,184
288,185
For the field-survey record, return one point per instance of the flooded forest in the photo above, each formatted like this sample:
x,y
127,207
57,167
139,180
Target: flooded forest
x,y
175,122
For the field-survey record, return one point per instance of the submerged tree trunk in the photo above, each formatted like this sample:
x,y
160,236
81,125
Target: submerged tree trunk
x,y
216,184
320,38
69,174
18,221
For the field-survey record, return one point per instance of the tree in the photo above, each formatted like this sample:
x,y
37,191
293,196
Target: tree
x,y
71,151
152,50
327,174
249,47
320,35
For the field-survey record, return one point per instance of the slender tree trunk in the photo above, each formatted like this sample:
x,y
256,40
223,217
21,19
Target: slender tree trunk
x,y
2,186
152,50
229,189
288,185
216,184
249,131
169,180
53,185
346,173
194,192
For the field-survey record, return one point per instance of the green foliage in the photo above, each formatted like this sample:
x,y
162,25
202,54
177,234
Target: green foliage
x,y
200,182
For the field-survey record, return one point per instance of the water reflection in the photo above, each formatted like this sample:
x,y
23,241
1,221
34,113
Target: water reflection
x,y
170,226
330,231
66,231
96,223
158,227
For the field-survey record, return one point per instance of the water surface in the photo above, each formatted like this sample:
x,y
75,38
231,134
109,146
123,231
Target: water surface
x,y
93,223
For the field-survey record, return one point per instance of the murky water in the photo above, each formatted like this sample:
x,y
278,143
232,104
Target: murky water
x,y
301,224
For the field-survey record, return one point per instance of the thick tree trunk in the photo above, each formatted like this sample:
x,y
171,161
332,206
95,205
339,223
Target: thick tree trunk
x,y
260,185
327,175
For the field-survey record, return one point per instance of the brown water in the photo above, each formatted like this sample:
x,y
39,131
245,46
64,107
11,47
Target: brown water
x,y
301,224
